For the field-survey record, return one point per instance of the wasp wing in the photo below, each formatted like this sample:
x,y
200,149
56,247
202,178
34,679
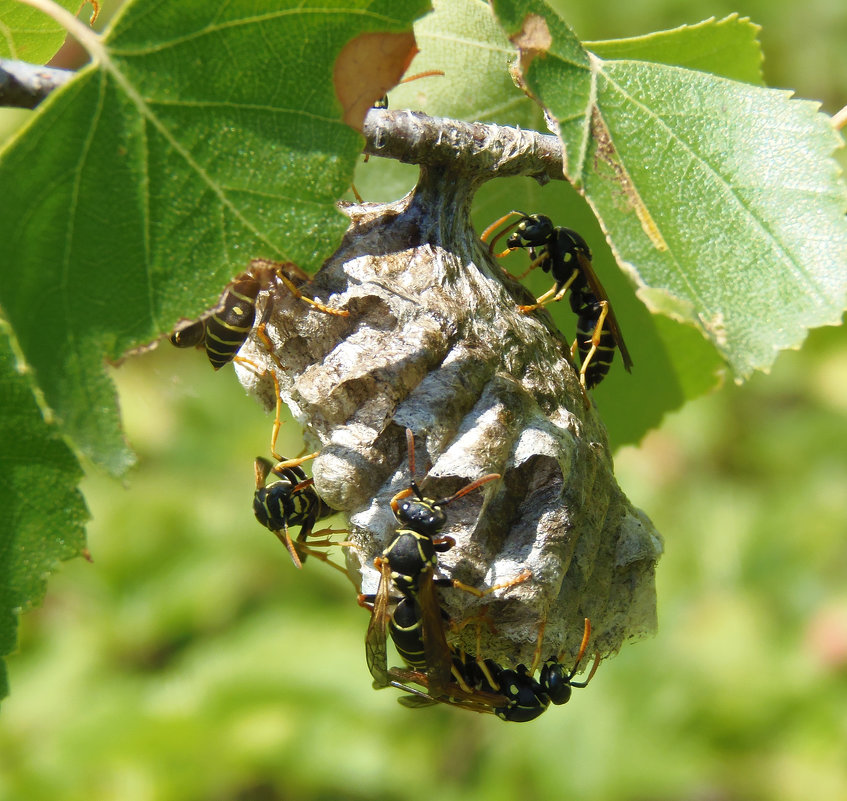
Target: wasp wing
x,y
481,702
375,640
436,651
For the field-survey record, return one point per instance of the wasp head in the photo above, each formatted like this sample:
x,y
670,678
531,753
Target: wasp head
x,y
533,230
422,515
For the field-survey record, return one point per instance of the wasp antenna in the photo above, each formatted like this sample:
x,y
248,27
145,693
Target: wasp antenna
x,y
426,74
496,223
404,493
590,675
469,488
286,540
410,445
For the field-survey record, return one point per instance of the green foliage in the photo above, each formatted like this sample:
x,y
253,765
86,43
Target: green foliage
x,y
158,172
739,266
139,189
719,198
203,135
463,39
27,34
192,661
727,47
43,512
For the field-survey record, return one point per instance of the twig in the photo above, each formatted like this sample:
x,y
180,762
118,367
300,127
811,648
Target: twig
x,y
479,150
24,85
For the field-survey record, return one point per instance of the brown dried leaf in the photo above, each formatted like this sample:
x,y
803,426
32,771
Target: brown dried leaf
x,y
532,40
367,67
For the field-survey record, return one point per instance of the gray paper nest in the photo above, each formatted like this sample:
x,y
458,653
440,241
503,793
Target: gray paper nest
x,y
435,342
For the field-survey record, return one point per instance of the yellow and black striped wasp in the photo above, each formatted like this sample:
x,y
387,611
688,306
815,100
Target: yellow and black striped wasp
x,y
513,695
416,624
565,254
225,328
291,500
530,697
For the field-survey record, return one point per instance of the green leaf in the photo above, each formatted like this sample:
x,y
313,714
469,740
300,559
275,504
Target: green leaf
x,y
202,135
727,47
29,35
673,362
463,40
720,199
43,512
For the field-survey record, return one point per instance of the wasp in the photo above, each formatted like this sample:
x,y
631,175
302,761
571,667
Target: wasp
x,y
512,695
291,500
225,328
407,565
530,697
566,255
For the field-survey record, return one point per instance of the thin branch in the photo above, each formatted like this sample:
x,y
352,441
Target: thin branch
x,y
481,151
24,85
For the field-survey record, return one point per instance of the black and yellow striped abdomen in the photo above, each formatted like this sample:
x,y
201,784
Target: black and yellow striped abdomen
x,y
406,630
279,506
230,324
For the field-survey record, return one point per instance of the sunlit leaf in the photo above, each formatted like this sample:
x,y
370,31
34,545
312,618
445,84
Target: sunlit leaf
x,y
721,199
463,40
202,135
27,34
43,512
727,47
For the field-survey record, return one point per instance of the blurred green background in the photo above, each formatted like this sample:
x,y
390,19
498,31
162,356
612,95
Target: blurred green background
x,y
192,661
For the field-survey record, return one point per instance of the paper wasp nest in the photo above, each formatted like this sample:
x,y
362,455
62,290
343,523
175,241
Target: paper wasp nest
x,y
434,342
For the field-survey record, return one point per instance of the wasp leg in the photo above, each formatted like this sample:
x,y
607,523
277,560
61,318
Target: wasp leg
x,y
552,295
316,304
311,549
536,655
481,662
283,463
261,373
328,543
582,648
595,340
477,620
519,579
532,265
